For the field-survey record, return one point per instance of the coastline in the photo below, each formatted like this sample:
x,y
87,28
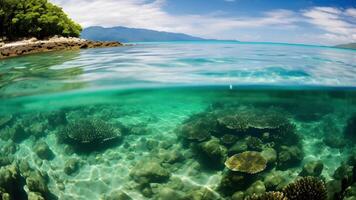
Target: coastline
x,y
31,46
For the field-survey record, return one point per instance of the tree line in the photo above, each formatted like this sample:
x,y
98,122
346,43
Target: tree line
x,y
34,18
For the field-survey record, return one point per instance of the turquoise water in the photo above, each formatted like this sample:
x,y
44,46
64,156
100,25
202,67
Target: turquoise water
x,y
161,120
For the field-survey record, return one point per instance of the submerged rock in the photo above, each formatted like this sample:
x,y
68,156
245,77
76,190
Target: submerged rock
x,y
149,172
4,119
15,133
350,129
203,194
276,180
250,162
334,141
35,196
257,188
270,155
11,183
289,156
313,168
43,151
213,152
118,195
199,127
71,166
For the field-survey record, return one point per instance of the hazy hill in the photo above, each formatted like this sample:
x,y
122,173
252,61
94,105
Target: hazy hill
x,y
347,46
124,34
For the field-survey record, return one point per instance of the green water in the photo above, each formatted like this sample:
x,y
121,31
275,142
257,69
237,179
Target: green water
x,y
155,141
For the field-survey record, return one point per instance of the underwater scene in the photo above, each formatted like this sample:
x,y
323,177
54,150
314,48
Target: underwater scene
x,y
180,121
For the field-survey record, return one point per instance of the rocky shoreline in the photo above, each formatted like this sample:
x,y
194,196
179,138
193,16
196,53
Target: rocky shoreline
x,y
31,46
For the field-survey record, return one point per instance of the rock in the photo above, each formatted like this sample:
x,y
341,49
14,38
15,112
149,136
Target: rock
x,y
38,129
37,182
289,156
276,180
214,152
168,194
270,155
257,188
60,43
334,141
11,183
71,166
35,196
16,133
312,168
334,189
5,160
149,172
345,174
118,195
238,147
250,162
9,148
198,128
228,139
43,151
238,196
5,119
57,118
203,194
350,129
232,181
350,192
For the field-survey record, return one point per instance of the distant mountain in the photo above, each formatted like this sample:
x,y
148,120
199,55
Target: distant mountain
x,y
347,46
124,34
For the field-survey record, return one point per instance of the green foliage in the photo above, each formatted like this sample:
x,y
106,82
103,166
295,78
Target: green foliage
x,y
34,18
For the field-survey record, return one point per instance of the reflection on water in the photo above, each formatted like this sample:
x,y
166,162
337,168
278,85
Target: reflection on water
x,y
172,64
37,74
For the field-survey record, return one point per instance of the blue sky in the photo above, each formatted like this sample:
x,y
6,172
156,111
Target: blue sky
x,y
293,21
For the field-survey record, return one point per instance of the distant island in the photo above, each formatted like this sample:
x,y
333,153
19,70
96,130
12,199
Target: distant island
x,y
125,34
347,46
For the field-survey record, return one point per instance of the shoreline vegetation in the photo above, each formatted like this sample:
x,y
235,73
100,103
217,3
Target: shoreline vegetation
x,y
34,26
33,45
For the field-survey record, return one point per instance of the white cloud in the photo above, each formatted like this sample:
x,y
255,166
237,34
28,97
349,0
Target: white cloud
x,y
152,15
337,23
144,14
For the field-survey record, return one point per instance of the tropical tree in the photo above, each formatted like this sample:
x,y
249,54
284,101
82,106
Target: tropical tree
x,y
34,18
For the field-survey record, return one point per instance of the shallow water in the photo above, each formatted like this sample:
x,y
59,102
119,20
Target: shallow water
x,y
158,120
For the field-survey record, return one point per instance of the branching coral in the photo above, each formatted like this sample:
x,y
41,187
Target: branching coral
x,y
306,188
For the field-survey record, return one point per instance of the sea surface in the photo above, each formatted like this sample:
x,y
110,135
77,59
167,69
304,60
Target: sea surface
x,y
179,120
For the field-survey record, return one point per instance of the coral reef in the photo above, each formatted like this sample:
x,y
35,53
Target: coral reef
x,y
43,151
268,196
305,189
248,162
90,133
198,127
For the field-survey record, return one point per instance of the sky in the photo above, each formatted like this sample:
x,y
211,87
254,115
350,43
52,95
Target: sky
x,y
322,22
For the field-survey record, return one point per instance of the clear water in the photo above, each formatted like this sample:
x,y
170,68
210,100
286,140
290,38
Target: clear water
x,y
154,90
